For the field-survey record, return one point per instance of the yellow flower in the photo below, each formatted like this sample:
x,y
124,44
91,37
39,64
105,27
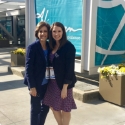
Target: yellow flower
x,y
122,69
111,70
121,65
20,51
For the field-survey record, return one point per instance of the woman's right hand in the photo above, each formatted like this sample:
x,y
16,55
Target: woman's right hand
x,y
33,92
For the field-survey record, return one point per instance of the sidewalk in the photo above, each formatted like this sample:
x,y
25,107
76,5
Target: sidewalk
x,y
15,103
85,88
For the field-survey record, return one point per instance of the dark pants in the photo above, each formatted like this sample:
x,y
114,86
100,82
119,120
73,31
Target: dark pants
x,y
38,111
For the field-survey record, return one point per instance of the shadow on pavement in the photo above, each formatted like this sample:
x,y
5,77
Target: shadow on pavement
x,y
4,53
2,62
100,101
7,57
5,73
11,85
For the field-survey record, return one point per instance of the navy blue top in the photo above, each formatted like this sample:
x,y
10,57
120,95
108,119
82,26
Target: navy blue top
x,y
45,81
35,65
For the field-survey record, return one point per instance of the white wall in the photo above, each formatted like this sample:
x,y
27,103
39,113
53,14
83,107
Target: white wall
x,y
30,22
86,36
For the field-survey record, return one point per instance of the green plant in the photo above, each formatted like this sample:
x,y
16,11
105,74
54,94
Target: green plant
x,y
20,51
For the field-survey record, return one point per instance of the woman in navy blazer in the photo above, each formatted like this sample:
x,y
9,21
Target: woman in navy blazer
x,y
36,74
62,77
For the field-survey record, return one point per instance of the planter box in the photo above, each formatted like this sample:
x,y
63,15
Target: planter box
x,y
113,89
4,43
17,60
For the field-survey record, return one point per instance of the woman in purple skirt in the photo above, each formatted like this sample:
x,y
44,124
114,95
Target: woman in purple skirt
x,y
59,95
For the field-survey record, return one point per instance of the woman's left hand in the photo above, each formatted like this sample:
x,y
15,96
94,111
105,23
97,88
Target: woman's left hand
x,y
64,91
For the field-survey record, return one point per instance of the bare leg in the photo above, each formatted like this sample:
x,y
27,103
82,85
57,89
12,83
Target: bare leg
x,y
66,117
58,116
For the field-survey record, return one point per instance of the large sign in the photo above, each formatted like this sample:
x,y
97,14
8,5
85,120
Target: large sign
x,y
107,33
110,33
68,12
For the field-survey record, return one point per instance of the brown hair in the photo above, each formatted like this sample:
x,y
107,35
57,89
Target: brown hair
x,y
63,40
39,26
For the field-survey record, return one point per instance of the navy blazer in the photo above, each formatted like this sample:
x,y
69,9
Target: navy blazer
x,y
35,65
63,65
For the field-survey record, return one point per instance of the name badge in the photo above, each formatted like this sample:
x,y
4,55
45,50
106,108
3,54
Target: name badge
x,y
47,73
52,74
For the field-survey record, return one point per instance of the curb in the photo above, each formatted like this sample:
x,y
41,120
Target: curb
x,y
84,96
85,75
19,71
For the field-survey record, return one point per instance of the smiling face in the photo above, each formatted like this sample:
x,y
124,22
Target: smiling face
x,y
43,34
57,33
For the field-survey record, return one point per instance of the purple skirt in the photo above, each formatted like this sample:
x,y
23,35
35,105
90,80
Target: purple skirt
x,y
53,98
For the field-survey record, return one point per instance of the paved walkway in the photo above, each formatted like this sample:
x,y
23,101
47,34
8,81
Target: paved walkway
x,y
15,107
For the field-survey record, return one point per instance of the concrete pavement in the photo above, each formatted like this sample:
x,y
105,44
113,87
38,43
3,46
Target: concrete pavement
x,y
15,103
